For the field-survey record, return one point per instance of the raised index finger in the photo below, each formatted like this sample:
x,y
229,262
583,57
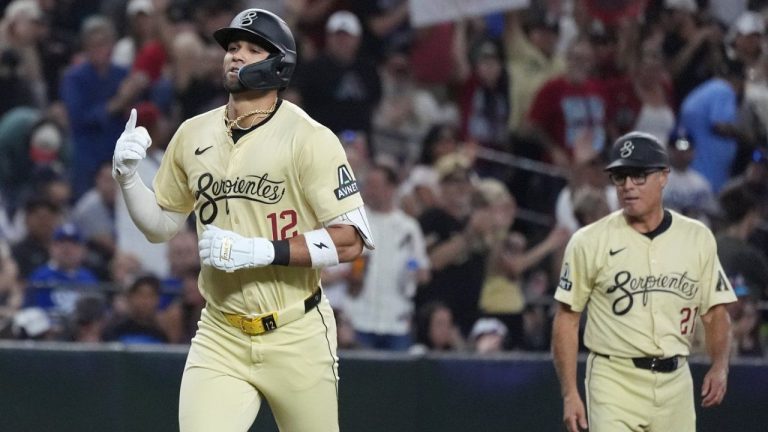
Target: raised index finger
x,y
131,125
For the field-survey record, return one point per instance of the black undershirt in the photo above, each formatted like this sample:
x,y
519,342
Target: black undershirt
x,y
666,222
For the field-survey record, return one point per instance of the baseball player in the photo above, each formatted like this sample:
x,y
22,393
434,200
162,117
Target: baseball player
x,y
646,275
275,201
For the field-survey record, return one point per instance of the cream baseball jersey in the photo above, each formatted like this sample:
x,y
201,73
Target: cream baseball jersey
x,y
283,178
642,295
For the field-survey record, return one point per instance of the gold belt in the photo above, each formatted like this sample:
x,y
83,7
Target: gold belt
x,y
260,324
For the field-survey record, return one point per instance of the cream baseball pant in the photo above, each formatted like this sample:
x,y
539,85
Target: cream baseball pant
x,y
622,397
294,367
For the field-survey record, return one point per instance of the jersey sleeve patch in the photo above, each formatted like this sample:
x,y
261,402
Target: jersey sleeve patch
x,y
347,183
565,282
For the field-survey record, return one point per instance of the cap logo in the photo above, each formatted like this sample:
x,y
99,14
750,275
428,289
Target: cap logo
x,y
249,17
626,149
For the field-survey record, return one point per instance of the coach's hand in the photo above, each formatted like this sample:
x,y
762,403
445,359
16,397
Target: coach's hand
x,y
229,251
131,147
574,415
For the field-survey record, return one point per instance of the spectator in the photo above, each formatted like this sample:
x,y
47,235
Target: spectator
x,y
386,25
341,88
345,333
742,262
587,174
17,91
642,100
56,285
32,324
435,330
687,191
589,205
182,255
32,145
88,320
745,39
94,215
124,269
458,232
746,321
530,42
309,17
693,49
488,336
41,217
509,259
20,34
485,107
382,311
140,324
568,112
406,110
195,81
179,320
97,94
11,290
141,29
420,189
709,114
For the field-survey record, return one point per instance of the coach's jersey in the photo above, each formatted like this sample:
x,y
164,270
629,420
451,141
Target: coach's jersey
x,y
281,179
644,295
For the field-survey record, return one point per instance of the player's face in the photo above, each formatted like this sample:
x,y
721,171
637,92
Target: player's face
x,y
639,190
240,53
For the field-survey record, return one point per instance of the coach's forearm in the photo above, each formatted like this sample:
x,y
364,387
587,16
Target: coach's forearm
x,y
565,348
717,326
158,225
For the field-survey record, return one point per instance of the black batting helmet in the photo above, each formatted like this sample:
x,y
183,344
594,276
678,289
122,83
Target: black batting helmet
x,y
270,31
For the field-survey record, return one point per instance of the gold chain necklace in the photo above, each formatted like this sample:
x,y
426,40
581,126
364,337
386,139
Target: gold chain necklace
x,y
231,124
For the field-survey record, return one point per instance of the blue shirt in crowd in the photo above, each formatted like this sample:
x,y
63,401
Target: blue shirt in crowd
x,y
711,103
86,94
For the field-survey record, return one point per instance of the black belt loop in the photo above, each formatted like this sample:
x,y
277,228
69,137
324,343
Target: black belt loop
x,y
313,300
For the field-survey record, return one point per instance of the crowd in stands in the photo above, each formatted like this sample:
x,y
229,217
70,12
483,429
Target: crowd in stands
x,y
478,145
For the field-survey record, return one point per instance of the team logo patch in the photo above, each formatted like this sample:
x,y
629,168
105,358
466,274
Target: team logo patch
x,y
626,149
722,283
347,184
565,282
248,18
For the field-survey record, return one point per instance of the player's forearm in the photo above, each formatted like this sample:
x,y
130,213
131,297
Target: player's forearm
x,y
717,325
158,225
348,243
565,349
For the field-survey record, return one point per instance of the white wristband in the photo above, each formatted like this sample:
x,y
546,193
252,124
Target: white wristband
x,y
322,251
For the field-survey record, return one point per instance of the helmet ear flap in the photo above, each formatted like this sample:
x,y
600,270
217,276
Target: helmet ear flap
x,y
270,73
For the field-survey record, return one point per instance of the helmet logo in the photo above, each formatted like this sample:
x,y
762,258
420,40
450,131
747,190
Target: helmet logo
x,y
248,18
626,149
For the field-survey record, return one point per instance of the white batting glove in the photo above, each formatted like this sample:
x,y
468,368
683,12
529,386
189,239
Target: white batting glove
x,y
131,147
229,251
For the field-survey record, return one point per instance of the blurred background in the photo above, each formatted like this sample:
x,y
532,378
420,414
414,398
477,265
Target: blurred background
x,y
487,120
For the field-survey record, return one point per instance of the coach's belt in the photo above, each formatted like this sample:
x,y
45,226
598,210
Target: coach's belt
x,y
654,364
256,325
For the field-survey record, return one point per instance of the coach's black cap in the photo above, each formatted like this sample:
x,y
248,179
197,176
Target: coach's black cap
x,y
638,150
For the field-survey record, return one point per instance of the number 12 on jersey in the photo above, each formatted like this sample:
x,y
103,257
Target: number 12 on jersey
x,y
283,224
